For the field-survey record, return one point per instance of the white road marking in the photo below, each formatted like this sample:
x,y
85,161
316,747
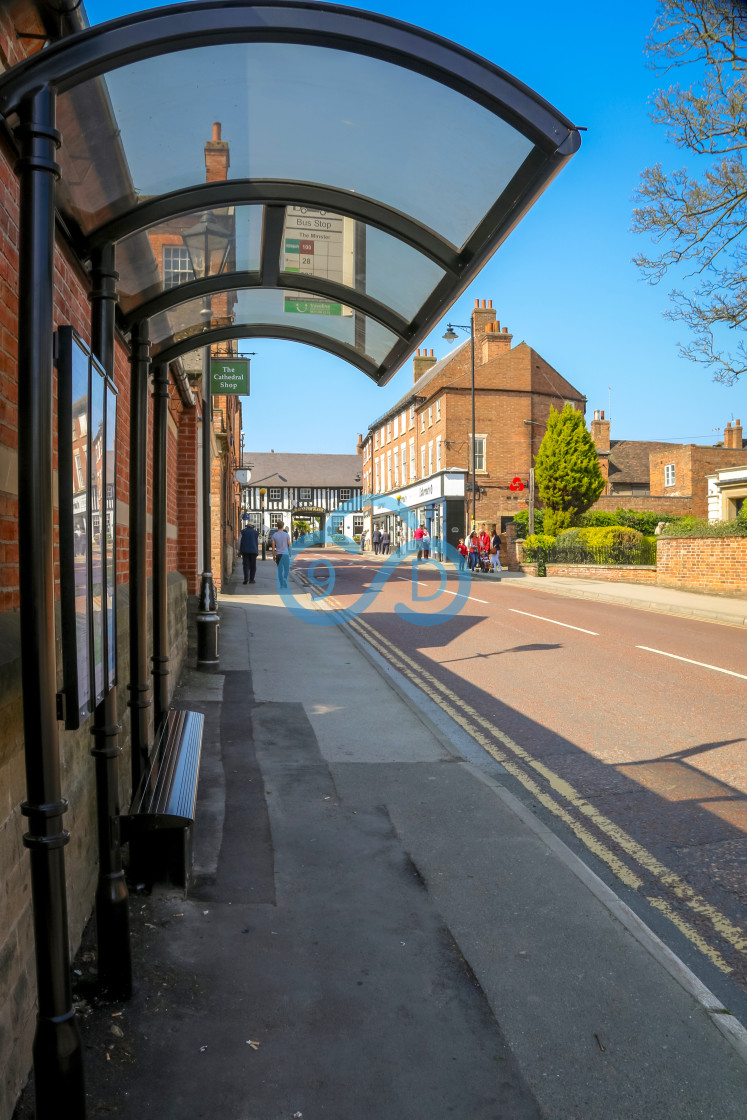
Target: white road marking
x,y
554,622
703,664
461,596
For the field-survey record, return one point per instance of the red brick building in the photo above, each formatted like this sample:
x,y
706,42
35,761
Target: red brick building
x,y
663,477
429,429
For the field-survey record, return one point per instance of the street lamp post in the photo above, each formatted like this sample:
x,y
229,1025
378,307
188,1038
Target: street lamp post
x,y
262,493
450,336
207,243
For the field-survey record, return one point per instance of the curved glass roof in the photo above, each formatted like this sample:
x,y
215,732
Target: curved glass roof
x,y
359,163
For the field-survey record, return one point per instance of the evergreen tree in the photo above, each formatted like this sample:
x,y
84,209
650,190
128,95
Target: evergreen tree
x,y
567,470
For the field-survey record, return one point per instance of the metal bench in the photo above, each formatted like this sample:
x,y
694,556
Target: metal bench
x,y
158,825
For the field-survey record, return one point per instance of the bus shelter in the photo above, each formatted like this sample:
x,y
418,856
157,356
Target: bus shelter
x,y
374,170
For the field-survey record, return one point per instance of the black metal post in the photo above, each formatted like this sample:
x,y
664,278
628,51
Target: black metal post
x,y
207,612
58,1059
262,522
160,657
140,685
112,900
474,437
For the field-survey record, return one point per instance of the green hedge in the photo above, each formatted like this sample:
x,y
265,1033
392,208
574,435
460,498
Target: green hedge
x,y
699,527
644,521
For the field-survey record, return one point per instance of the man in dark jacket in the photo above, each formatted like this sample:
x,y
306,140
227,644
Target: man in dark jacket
x,y
248,549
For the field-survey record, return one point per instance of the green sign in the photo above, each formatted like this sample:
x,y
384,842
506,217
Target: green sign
x,y
311,306
229,375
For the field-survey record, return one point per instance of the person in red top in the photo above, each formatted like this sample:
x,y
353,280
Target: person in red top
x,y
474,550
484,549
463,553
418,537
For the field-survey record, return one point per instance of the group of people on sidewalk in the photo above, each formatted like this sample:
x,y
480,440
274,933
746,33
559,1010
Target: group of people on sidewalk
x,y
381,541
481,551
281,549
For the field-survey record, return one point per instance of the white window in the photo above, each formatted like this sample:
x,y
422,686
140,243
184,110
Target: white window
x,y
177,267
80,476
275,494
403,423
389,431
376,440
669,474
479,453
430,457
388,470
395,424
396,468
376,476
345,495
422,421
438,453
430,415
383,435
304,494
412,458
403,455
422,461
438,409
412,415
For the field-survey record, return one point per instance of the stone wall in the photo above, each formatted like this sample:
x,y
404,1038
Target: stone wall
x,y
17,967
656,504
715,565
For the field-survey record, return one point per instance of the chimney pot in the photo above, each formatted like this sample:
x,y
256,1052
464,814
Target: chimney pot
x,y
216,130
505,330
596,413
418,352
738,424
431,353
483,304
490,303
477,303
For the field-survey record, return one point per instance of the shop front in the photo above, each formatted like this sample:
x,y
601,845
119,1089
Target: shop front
x,y
436,503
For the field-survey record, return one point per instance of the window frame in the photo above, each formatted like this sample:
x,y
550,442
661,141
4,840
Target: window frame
x,y
670,474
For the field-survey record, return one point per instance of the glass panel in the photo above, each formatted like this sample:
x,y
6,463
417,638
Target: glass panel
x,y
98,535
298,310
323,244
288,111
110,531
156,259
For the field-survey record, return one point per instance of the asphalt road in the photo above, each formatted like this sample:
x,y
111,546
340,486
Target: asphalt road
x,y
625,730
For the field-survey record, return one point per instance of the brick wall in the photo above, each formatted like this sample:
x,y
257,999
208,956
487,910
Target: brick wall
x,y
616,573
715,565
612,502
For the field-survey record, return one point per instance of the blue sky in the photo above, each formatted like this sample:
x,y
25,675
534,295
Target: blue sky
x,y
563,281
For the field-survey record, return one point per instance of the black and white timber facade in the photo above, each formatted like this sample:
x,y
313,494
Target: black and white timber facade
x,y
299,487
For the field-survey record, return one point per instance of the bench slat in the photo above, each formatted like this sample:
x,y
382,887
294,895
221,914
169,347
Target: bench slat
x,y
168,790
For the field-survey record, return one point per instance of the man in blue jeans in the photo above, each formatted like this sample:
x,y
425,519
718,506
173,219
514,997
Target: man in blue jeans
x,y
281,544
248,549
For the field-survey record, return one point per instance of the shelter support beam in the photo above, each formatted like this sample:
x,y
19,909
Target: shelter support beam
x,y
112,898
58,1060
139,687
160,657
208,620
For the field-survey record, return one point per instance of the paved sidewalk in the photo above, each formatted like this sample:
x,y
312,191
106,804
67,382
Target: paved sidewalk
x,y
378,929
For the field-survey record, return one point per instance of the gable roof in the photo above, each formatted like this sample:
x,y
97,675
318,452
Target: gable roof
x,y
295,469
629,459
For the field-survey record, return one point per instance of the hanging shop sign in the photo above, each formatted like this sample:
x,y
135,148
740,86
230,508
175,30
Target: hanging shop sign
x,y
229,375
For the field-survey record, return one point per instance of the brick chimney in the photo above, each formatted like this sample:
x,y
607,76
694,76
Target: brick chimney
x,y
494,343
421,362
359,446
600,431
217,161
733,436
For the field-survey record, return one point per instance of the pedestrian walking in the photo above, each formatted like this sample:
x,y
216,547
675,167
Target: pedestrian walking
x,y
474,550
385,541
418,538
362,541
463,554
281,547
495,551
376,539
426,543
248,549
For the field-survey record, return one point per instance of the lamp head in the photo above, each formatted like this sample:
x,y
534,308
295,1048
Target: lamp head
x,y
451,334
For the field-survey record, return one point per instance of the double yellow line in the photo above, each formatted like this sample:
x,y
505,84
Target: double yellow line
x,y
561,799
